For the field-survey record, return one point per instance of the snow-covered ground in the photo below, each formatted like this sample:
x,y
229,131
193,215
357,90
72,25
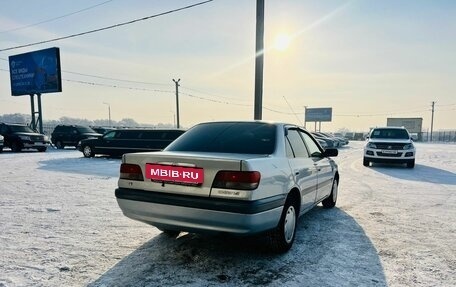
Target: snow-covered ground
x,y
60,226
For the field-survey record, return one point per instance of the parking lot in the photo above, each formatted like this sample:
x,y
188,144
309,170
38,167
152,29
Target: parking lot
x,y
393,226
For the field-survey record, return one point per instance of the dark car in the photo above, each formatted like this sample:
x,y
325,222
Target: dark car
x,y
18,137
118,142
1,143
70,135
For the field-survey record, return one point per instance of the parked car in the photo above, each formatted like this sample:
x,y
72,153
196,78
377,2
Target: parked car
x,y
70,135
118,142
1,143
331,143
230,177
389,145
18,137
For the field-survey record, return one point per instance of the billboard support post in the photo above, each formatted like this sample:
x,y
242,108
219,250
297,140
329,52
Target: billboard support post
x,y
37,116
32,105
40,114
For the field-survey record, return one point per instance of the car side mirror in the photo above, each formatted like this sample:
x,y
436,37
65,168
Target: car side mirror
x,y
330,152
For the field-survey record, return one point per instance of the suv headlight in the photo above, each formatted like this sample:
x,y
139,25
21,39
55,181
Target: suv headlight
x,y
371,145
46,138
408,146
24,138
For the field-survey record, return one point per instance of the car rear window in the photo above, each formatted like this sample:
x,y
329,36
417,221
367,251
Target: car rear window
x,y
85,130
228,137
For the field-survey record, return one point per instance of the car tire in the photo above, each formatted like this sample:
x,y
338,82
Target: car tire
x,y
365,162
87,151
16,146
41,149
331,200
59,145
282,237
411,164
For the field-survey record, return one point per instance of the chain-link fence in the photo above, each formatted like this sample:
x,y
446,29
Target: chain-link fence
x,y
440,136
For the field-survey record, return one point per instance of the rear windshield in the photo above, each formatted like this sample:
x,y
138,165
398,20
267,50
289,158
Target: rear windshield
x,y
86,130
245,138
389,134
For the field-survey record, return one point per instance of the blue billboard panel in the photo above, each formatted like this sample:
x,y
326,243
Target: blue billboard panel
x,y
318,115
35,72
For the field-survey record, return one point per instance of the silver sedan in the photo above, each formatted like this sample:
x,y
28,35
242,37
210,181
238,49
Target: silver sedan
x,y
230,177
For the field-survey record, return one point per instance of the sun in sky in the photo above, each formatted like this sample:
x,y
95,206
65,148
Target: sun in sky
x,y
282,41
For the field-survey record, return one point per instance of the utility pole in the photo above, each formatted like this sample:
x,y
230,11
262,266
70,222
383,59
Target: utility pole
x,y
177,100
432,119
259,59
109,112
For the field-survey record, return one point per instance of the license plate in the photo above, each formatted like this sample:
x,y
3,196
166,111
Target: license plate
x,y
175,174
389,151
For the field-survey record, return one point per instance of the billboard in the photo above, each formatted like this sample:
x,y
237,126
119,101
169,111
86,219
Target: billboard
x,y
35,72
318,115
413,125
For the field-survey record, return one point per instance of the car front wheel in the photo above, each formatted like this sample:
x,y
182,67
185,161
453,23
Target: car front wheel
x,y
87,151
59,145
411,164
365,162
16,147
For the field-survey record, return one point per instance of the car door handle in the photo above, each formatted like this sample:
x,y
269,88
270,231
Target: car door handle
x,y
297,173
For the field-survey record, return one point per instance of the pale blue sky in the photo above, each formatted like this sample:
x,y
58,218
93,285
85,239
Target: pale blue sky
x,y
368,60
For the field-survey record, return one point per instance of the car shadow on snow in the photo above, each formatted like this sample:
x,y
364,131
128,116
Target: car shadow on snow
x,y
96,166
331,249
421,173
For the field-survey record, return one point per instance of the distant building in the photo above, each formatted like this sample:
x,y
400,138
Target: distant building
x,y
413,125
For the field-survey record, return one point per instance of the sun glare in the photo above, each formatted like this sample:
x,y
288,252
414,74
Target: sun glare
x,y
282,41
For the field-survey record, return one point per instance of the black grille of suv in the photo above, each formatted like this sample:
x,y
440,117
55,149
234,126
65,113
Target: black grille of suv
x,y
390,146
36,138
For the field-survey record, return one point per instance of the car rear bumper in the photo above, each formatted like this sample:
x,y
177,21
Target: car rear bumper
x,y
211,215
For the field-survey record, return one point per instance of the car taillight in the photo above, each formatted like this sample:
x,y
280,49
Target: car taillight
x,y
245,180
131,171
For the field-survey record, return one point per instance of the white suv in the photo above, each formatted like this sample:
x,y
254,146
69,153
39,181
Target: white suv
x,y
389,145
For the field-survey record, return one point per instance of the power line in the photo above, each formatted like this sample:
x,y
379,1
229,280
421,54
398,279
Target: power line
x,y
117,87
115,79
108,27
56,18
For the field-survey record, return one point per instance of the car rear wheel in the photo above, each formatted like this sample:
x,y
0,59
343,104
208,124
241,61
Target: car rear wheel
x,y
365,162
59,145
87,151
282,237
331,200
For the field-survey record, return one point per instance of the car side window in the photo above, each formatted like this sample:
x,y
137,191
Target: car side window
x,y
110,135
311,145
288,149
297,144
